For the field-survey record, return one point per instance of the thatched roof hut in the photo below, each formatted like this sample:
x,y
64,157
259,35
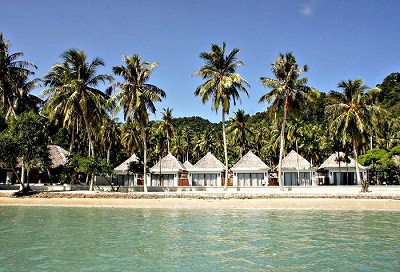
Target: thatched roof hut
x,y
208,163
294,162
58,155
333,162
169,164
187,165
123,168
250,163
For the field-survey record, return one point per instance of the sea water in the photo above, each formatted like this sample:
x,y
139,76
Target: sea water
x,y
125,239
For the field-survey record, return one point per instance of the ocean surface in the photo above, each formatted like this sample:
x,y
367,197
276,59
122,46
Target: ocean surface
x,y
123,239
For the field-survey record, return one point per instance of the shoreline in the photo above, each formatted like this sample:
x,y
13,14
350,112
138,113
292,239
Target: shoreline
x,y
284,200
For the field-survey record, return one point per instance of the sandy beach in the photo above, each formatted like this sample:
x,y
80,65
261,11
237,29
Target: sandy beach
x,y
381,200
179,203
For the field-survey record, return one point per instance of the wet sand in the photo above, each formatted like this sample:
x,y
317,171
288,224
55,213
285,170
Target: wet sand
x,y
208,201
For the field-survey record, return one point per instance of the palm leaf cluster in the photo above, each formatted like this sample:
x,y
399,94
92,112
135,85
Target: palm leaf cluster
x,y
81,103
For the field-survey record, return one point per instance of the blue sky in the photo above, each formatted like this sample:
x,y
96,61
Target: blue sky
x,y
338,40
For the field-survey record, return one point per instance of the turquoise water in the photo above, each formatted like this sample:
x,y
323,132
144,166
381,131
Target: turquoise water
x,y
117,239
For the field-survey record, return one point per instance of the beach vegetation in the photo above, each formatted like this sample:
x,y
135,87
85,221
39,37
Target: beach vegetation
x,y
79,114
136,97
222,85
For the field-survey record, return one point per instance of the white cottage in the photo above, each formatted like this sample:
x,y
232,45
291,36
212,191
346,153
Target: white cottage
x,y
343,174
250,170
122,177
168,172
297,171
208,171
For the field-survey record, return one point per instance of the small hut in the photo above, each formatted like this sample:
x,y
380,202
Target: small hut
x,y
58,157
168,172
250,170
341,170
122,176
208,171
296,170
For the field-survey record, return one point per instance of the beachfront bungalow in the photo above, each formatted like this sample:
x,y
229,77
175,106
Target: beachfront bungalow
x,y
58,157
297,171
250,170
208,171
168,172
123,178
343,174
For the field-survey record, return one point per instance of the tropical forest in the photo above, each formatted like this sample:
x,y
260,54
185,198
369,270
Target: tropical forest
x,y
76,107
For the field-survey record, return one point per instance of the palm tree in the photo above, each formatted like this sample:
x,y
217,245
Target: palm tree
x,y
73,94
240,130
108,134
351,116
137,97
14,82
289,91
131,136
167,125
222,85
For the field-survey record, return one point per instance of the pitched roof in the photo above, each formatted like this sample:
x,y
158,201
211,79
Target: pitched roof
x,y
250,161
123,167
209,161
292,161
187,165
58,155
333,162
168,162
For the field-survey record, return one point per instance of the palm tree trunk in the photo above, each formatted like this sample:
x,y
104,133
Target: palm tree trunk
x,y
298,163
90,137
168,141
144,160
225,151
108,154
23,178
282,148
364,184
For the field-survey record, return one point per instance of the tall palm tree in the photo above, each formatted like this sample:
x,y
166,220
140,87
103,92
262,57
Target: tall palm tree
x,y
73,95
238,127
222,85
167,125
137,97
108,134
351,116
131,136
14,82
288,92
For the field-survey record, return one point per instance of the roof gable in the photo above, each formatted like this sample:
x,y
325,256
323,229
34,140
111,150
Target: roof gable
x,y
250,161
125,165
333,162
168,162
209,161
294,161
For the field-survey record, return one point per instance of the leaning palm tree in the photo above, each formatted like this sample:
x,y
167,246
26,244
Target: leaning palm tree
x,y
221,86
351,116
167,125
73,95
288,93
136,97
14,82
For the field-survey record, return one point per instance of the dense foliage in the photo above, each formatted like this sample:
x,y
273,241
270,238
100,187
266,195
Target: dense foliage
x,y
77,115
